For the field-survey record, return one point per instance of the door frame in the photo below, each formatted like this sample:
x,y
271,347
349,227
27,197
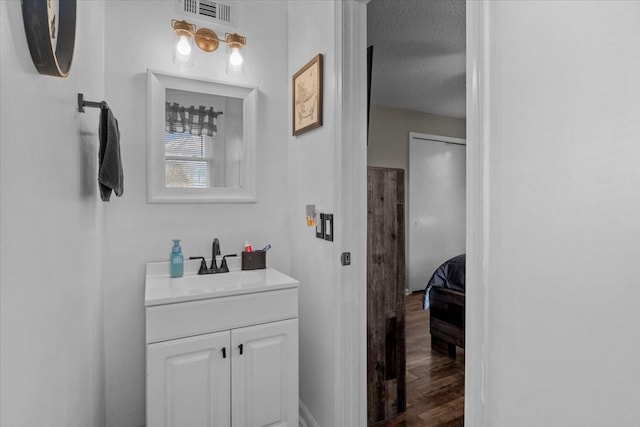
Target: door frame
x,y
350,159
438,138
478,214
351,352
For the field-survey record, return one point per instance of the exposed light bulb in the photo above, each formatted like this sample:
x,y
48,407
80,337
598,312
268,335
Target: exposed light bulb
x,y
235,58
183,47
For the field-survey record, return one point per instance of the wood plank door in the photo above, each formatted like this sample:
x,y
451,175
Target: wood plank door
x,y
386,392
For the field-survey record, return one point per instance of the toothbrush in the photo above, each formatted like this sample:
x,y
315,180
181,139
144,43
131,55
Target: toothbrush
x,y
266,248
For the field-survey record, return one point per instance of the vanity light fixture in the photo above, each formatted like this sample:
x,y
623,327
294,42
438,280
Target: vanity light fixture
x,y
184,32
207,40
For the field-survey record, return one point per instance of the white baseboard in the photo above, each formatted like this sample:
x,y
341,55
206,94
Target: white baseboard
x,y
306,419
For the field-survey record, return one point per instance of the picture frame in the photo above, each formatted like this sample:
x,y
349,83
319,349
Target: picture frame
x,y
307,96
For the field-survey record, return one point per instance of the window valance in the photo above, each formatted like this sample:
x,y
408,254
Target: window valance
x,y
196,121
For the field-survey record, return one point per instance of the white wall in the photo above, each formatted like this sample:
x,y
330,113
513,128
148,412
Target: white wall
x,y
50,225
137,232
327,167
312,171
563,141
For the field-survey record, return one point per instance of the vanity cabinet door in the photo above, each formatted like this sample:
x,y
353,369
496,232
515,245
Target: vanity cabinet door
x,y
188,382
265,375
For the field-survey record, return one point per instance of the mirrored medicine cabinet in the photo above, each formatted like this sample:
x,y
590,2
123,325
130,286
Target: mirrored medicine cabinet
x,y
201,140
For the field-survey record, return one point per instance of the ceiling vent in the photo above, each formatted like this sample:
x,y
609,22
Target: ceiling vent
x,y
209,11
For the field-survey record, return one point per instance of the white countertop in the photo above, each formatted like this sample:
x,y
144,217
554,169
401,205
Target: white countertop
x,y
162,289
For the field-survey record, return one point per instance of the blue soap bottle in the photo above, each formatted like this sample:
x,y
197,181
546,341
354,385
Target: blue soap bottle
x,y
177,260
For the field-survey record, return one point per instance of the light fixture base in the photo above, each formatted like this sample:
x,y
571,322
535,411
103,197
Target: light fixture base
x,y
207,40
183,28
235,40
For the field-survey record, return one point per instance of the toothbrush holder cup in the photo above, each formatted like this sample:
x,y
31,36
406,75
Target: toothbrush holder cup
x,y
255,260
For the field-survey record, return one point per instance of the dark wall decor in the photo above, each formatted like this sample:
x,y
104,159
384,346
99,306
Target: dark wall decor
x,y
50,26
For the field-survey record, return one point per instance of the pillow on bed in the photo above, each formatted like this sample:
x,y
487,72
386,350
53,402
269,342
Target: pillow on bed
x,y
451,274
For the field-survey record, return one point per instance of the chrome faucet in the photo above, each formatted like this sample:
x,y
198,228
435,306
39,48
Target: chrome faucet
x,y
215,251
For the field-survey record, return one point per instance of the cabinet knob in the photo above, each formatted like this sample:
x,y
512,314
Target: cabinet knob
x,y
240,347
224,352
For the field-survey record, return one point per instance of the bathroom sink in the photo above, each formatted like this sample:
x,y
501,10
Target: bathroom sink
x,y
162,289
221,281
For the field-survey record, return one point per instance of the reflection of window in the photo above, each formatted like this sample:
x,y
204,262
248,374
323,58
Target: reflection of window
x,y
185,167
188,160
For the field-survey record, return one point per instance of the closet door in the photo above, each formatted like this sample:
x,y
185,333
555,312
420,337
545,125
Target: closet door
x,y
437,204
385,295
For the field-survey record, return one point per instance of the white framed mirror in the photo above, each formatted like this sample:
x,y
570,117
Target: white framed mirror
x,y
201,140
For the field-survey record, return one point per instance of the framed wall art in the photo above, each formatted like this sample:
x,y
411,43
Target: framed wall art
x,y
307,96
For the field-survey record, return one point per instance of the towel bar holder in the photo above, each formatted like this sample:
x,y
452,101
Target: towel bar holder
x,y
82,103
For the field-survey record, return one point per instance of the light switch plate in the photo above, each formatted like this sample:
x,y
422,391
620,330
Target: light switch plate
x,y
328,227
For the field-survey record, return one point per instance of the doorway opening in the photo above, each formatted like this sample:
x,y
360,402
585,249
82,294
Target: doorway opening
x,y
409,43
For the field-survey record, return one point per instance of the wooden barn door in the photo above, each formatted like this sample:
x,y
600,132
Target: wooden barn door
x,y
385,295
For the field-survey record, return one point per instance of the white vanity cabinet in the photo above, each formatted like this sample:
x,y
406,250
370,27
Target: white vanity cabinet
x,y
222,356
188,382
263,372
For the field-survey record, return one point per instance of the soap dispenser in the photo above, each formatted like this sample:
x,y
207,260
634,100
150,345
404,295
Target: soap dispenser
x,y
177,260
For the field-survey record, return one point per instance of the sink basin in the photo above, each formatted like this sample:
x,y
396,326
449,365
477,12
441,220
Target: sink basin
x,y
162,289
220,281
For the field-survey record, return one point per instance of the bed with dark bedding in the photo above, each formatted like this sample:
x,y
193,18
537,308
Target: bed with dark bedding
x,y
444,297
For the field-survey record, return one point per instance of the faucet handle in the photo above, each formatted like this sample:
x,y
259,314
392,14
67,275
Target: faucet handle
x,y
203,264
224,265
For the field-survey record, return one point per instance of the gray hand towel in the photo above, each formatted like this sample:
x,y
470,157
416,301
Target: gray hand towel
x,y
110,176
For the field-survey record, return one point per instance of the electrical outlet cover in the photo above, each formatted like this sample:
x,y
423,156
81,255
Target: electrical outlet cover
x,y
345,258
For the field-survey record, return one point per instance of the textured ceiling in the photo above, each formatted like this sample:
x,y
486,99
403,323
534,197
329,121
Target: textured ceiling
x,y
418,55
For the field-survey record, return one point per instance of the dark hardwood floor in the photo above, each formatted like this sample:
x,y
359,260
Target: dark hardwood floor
x,y
435,383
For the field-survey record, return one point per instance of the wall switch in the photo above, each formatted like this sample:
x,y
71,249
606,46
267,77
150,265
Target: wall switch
x,y
345,258
320,227
328,227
